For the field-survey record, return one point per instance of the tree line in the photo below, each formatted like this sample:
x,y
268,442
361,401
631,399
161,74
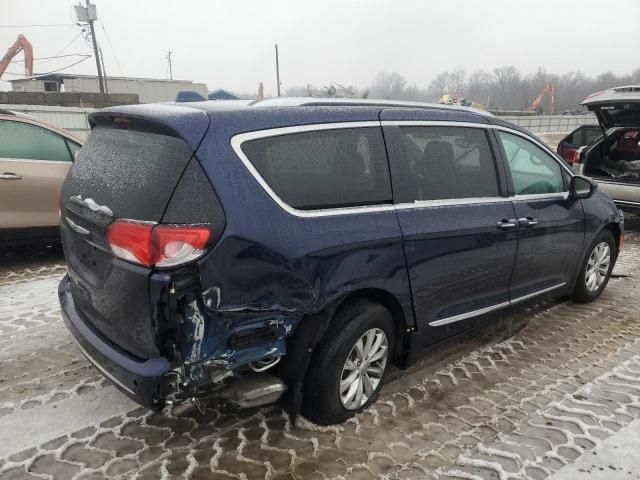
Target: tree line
x,y
502,88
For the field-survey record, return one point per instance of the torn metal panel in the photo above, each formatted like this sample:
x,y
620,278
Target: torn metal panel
x,y
232,339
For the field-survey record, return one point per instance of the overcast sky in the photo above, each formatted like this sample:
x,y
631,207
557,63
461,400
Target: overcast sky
x,y
230,43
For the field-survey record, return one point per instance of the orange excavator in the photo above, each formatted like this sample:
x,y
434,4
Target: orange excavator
x,y
21,44
551,90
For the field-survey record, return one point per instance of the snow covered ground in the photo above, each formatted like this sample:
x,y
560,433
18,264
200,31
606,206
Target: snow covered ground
x,y
560,399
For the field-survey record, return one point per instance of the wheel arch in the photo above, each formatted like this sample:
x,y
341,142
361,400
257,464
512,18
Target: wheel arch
x,y
393,305
313,328
616,231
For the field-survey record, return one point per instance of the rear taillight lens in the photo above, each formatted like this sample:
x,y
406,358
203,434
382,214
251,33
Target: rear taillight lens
x,y
576,158
154,245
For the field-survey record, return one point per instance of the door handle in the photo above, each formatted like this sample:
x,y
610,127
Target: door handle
x,y
506,224
527,221
10,176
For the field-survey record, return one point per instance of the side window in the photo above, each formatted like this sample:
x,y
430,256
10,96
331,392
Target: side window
x,y
434,163
325,168
591,134
533,170
26,141
73,148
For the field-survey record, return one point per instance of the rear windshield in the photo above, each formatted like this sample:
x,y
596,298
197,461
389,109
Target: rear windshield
x,y
324,169
621,114
132,172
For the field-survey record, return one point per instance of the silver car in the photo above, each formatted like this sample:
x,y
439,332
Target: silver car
x,y
613,158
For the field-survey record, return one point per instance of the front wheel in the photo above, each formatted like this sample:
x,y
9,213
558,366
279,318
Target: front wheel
x,y
596,269
348,367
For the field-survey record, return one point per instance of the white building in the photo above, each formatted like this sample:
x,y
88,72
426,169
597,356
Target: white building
x,y
148,89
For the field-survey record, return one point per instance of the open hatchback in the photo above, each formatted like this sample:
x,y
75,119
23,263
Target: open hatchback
x,y
613,158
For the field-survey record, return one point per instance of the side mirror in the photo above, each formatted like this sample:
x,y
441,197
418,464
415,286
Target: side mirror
x,y
581,187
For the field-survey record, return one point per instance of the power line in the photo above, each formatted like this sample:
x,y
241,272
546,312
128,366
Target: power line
x,y
68,44
111,47
40,25
53,57
52,71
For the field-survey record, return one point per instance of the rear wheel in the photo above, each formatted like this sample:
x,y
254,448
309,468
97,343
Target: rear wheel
x,y
348,367
596,269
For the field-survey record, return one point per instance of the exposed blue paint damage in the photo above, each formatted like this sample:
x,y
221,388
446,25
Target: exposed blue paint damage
x,y
210,336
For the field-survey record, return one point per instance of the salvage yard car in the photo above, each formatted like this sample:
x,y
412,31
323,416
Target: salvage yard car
x,y
613,157
296,249
34,160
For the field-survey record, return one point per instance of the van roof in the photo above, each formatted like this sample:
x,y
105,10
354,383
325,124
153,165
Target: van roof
x,y
276,102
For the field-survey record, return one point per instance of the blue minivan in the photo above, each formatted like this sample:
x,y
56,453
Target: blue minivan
x,y
294,249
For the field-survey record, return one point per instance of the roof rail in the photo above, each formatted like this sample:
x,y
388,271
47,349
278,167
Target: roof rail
x,y
356,102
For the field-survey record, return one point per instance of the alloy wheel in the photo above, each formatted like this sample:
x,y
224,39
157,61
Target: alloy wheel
x,y
597,266
363,369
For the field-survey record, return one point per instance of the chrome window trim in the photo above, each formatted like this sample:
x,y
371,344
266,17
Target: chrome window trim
x,y
433,123
498,306
238,139
539,196
447,202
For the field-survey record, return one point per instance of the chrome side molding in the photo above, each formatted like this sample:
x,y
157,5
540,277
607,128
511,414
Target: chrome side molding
x,y
498,306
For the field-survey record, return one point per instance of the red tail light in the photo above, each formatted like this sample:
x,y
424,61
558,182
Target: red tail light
x,y
157,245
576,158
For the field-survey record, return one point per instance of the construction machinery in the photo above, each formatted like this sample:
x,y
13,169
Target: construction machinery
x,y
535,105
453,99
335,90
21,44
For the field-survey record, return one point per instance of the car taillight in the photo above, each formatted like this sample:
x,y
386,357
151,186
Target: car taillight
x,y
576,158
154,245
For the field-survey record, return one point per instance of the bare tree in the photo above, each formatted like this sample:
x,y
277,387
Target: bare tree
x,y
455,81
503,87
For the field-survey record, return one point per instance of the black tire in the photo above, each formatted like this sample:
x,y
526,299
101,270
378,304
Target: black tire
x,y
581,294
321,399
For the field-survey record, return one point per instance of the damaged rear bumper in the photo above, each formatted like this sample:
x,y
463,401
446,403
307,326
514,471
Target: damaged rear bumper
x,y
144,381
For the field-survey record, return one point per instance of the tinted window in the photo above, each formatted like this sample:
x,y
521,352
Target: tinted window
x,y
584,135
22,140
591,134
322,169
73,147
433,163
532,169
131,171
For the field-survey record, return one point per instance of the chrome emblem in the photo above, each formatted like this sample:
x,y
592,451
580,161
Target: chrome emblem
x,y
77,228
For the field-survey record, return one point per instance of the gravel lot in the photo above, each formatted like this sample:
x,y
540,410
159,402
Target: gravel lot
x,y
483,408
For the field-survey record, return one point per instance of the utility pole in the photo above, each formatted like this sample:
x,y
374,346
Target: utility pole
x,y
88,14
277,69
170,70
104,71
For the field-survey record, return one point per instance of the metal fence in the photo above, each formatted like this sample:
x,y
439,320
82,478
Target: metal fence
x,y
72,119
552,123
